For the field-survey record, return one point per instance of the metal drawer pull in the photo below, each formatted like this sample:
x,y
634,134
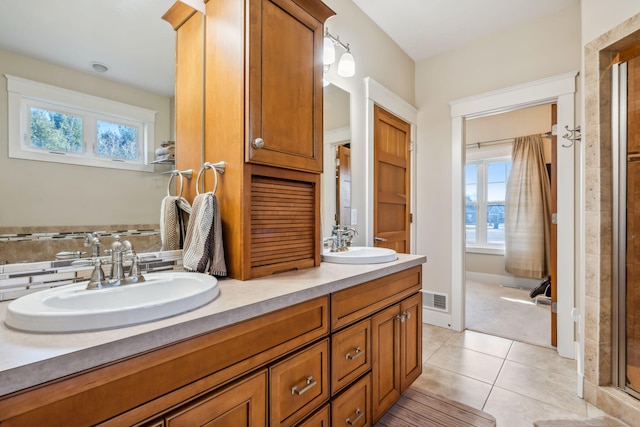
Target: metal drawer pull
x,y
357,353
359,414
401,317
406,315
258,143
310,383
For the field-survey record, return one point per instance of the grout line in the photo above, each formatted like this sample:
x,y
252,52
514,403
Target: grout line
x,y
504,360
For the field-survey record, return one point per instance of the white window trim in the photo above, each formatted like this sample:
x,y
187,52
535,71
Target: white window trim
x,y
21,91
481,159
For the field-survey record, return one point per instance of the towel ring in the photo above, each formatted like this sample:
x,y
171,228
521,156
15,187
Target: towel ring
x,y
218,168
173,174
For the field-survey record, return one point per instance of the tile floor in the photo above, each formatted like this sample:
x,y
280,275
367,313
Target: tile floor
x,y
515,382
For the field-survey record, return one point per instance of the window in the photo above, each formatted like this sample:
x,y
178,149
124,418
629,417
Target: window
x,y
485,183
47,123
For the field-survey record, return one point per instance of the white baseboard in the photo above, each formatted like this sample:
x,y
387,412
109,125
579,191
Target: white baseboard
x,y
512,281
436,318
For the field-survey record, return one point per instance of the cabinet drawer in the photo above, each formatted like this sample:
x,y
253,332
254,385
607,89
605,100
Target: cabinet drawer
x,y
241,404
358,302
352,408
350,354
299,384
322,418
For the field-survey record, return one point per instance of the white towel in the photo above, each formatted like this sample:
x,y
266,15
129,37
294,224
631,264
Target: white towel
x,y
174,216
203,246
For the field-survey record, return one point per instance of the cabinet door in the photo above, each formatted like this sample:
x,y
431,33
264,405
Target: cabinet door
x,y
385,346
411,340
241,404
285,86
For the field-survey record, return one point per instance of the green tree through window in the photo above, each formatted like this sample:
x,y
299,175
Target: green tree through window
x,y
117,141
55,131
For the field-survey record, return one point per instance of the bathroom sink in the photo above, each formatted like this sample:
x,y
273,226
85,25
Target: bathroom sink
x,y
73,308
360,255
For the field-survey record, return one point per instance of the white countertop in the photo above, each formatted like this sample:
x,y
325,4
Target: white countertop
x,y
28,359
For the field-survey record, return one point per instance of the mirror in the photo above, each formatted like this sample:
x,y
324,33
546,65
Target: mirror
x,y
336,179
54,43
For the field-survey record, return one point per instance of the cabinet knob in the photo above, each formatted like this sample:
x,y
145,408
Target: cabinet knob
x,y
401,317
258,143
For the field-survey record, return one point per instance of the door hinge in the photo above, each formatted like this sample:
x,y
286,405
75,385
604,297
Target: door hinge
x,y
554,218
410,218
554,307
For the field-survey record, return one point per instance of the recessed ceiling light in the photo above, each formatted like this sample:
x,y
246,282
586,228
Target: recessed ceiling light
x,y
100,67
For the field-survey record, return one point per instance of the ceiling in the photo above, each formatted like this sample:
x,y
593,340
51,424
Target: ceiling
x,y
424,28
138,46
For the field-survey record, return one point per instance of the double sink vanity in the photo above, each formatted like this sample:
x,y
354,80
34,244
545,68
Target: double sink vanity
x,y
336,344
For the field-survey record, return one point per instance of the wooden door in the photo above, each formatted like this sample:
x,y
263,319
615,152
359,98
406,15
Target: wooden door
x,y
554,229
285,85
343,184
242,404
411,340
385,361
391,162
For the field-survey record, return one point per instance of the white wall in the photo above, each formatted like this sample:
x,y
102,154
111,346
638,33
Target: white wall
x,y
378,57
37,193
539,49
600,16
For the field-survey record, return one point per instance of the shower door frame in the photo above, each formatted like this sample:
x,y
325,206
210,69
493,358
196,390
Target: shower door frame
x,y
619,165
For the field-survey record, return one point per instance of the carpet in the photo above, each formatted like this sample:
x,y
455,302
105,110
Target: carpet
x,y
507,312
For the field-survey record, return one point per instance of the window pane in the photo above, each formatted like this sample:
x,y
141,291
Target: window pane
x,y
497,174
495,223
471,181
470,223
51,130
117,141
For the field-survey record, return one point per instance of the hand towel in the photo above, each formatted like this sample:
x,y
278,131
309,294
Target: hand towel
x,y
174,216
203,246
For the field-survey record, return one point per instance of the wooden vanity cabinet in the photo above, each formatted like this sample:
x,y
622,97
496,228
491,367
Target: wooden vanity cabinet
x,y
242,404
383,318
397,356
338,359
262,116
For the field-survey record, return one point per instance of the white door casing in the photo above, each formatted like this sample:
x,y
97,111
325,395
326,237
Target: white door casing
x,y
561,90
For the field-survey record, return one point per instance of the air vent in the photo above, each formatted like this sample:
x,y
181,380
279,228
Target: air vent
x,y
435,301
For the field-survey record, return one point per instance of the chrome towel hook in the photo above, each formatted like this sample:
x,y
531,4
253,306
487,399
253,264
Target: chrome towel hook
x,y
573,135
218,168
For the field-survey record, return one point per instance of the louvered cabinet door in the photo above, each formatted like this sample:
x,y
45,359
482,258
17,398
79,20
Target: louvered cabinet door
x,y
284,233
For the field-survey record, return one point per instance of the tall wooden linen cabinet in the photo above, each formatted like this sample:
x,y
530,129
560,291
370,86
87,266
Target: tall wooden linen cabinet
x,y
249,79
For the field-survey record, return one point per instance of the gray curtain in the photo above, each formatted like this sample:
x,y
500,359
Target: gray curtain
x,y
527,211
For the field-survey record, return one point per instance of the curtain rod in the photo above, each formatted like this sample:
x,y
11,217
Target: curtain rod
x,y
501,141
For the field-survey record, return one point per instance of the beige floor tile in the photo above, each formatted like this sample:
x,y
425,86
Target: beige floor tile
x,y
488,344
470,363
454,386
542,385
543,358
433,337
515,410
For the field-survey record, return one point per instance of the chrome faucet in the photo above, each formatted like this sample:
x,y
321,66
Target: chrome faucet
x,y
120,252
341,238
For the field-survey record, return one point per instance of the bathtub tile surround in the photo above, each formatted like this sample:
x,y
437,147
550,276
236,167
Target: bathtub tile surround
x,y
29,244
21,279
